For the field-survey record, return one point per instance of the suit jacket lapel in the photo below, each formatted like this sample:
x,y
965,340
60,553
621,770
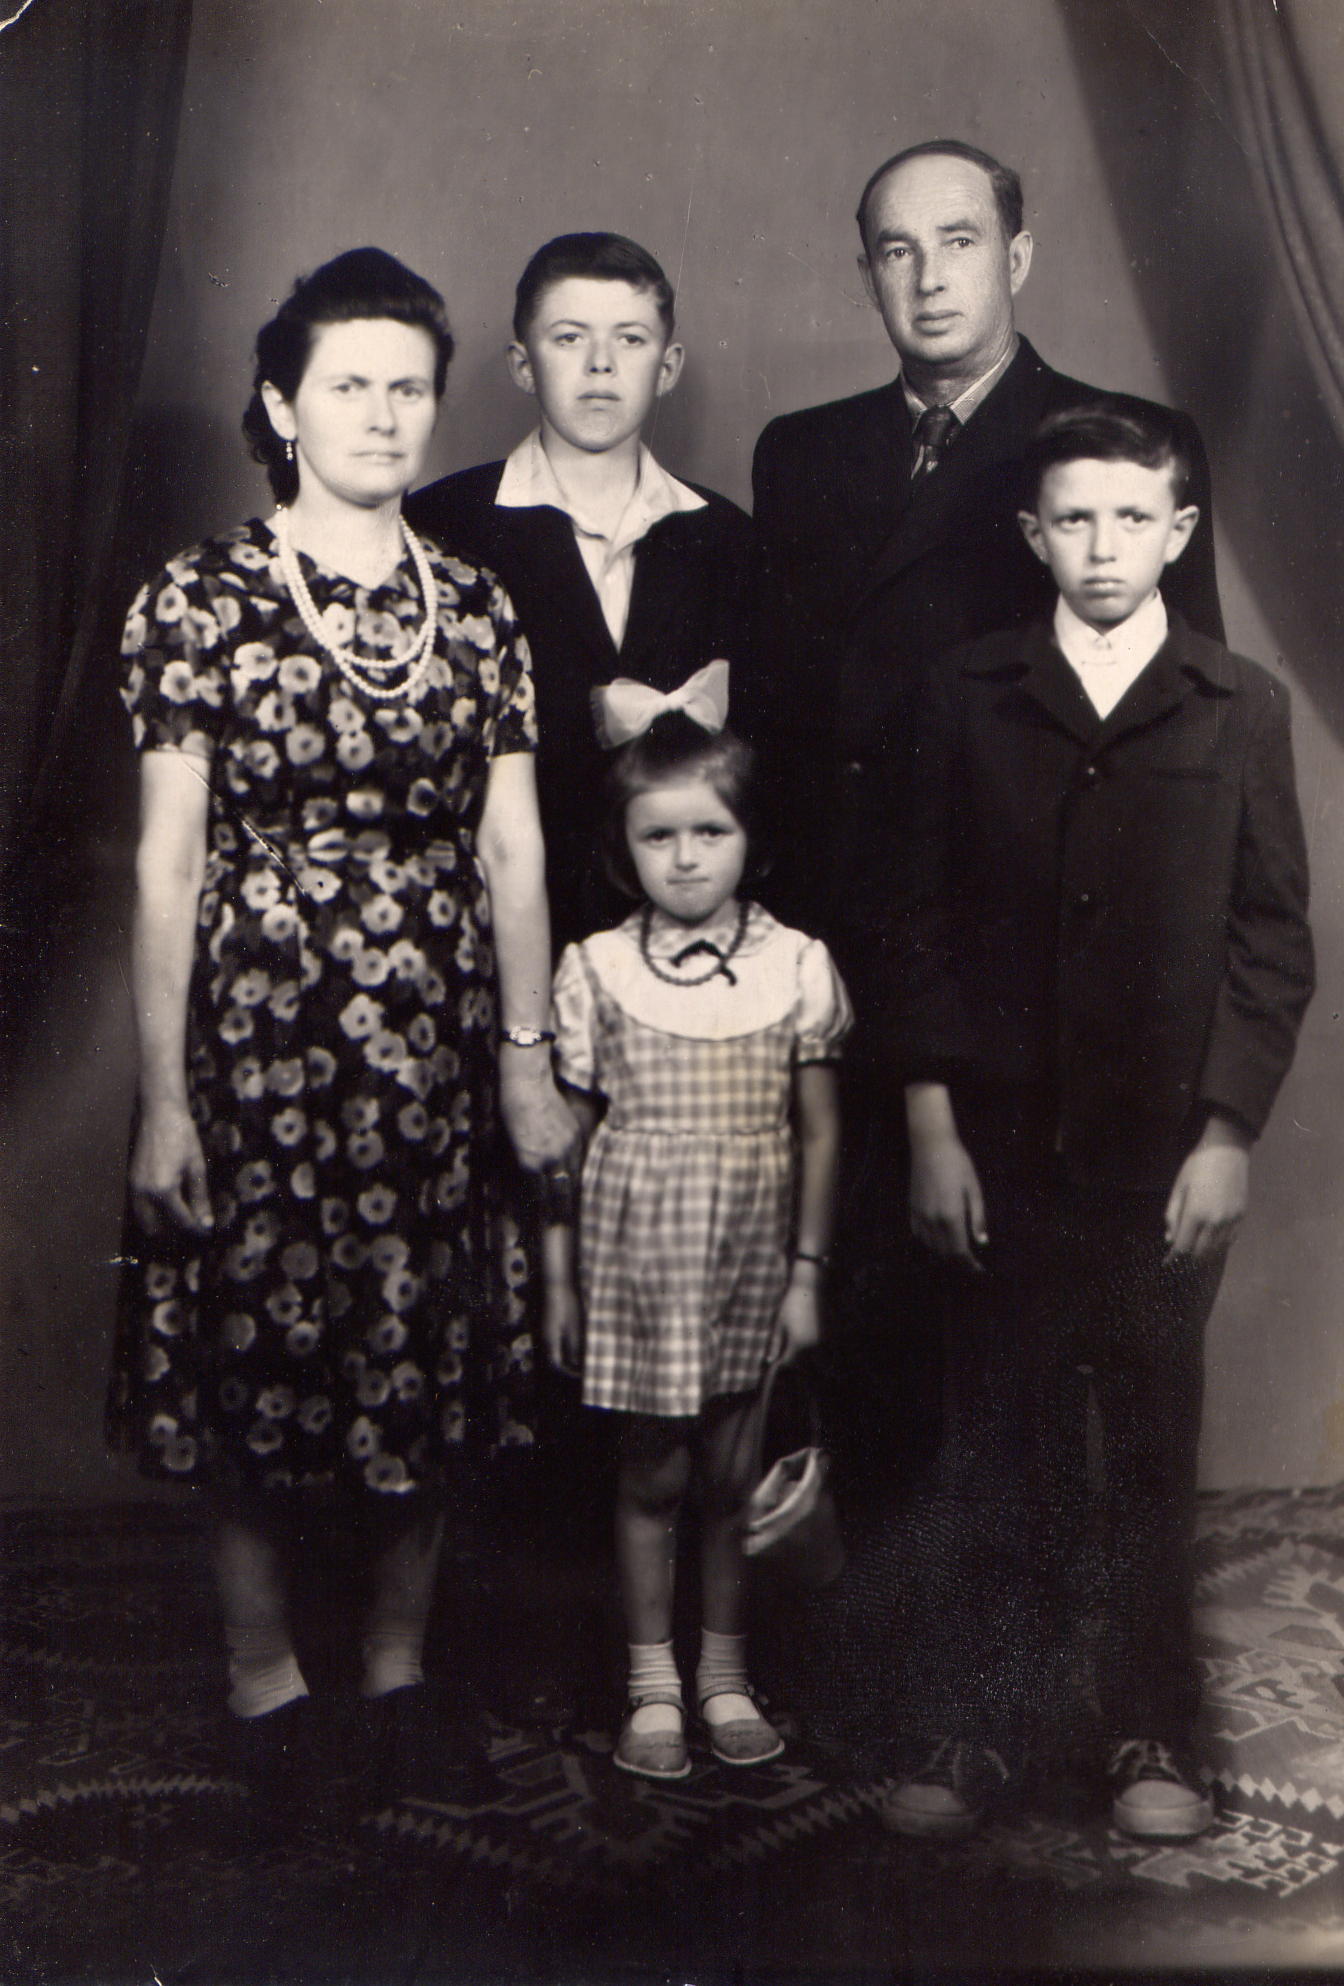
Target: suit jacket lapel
x,y
876,488
1048,681
1164,685
996,432
657,567
547,537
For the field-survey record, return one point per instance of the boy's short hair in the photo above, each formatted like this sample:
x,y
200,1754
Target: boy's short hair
x,y
1114,429
676,747
1005,183
610,258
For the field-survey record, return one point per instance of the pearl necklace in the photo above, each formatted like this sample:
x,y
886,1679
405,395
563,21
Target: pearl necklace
x,y
368,673
721,958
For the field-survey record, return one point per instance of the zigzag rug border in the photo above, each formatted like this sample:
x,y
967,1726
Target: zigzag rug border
x,y
1308,1803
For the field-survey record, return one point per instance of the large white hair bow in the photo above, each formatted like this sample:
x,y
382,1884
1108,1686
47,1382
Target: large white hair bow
x,y
625,709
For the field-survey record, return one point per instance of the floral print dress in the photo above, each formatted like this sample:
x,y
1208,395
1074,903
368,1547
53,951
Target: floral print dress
x,y
344,1320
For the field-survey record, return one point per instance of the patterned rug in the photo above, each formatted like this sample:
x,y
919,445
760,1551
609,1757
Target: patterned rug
x,y
128,1850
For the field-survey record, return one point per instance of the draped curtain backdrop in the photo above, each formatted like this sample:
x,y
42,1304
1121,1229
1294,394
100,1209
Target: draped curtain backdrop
x,y
89,99
1285,62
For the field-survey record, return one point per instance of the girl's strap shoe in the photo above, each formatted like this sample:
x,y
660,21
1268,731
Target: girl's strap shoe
x,y
653,1754
742,1740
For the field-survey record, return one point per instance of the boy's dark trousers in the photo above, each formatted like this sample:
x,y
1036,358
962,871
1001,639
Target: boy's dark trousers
x,y
1071,1522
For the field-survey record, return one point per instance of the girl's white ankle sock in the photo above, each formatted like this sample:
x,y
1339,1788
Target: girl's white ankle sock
x,y
721,1678
264,1672
392,1654
653,1667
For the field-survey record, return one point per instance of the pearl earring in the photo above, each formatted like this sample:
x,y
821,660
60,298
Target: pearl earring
x,y
289,453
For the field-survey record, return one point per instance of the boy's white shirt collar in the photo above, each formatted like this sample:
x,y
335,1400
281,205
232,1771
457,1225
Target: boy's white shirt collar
x,y
1107,663
529,479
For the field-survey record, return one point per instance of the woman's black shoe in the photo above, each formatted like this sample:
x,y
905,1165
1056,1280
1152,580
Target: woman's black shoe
x,y
272,1755
419,1744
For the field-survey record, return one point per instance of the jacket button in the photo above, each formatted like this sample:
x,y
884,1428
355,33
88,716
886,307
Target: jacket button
x,y
1083,900
1091,774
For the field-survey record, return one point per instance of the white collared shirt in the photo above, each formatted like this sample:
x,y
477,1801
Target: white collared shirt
x,y
1106,664
529,479
965,403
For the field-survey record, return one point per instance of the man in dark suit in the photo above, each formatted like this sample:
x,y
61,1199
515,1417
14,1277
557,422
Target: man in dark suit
x,y
887,537
887,534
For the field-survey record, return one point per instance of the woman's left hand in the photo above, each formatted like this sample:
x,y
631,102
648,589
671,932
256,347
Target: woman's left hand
x,y
542,1128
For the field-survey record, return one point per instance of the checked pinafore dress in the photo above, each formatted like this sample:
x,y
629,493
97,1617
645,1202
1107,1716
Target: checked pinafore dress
x,y
688,1184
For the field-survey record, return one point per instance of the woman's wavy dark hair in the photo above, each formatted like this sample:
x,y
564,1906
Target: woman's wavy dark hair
x,y
676,748
364,282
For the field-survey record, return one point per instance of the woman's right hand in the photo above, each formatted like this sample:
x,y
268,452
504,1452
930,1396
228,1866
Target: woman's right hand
x,y
542,1128
168,1177
562,1328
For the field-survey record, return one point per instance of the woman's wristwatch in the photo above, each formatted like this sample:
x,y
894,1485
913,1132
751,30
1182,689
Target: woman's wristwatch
x,y
527,1037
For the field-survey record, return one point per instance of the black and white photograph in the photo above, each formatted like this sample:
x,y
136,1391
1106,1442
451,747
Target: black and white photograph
x,y
671,967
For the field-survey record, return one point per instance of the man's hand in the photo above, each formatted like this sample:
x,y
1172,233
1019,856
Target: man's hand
x,y
1210,1194
947,1207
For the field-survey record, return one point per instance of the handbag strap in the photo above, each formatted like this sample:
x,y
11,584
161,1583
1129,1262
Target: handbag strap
x,y
759,1418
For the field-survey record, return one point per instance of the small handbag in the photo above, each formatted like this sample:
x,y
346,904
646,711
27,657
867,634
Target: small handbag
x,y
791,1524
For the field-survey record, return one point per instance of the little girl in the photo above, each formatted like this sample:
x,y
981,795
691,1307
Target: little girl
x,y
703,1034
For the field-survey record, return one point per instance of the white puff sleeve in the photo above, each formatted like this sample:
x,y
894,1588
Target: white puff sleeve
x,y
574,1009
823,1014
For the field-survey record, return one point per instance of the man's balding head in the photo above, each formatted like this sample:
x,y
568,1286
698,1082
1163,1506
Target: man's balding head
x,y
1004,182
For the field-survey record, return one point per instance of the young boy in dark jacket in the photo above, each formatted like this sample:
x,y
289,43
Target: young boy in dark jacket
x,y
1098,961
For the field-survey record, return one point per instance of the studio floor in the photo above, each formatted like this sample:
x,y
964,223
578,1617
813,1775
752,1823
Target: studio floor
x,y
128,1852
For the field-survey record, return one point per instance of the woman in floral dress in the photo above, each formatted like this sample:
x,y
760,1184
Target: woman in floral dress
x,y
339,860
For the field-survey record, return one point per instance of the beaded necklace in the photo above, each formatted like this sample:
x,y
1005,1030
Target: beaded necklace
x,y
369,674
721,958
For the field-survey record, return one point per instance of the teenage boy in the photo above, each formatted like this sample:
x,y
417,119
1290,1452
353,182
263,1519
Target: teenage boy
x,y
1098,967
615,567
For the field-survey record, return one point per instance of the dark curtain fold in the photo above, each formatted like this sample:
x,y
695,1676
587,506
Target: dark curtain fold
x,y
1285,65
89,98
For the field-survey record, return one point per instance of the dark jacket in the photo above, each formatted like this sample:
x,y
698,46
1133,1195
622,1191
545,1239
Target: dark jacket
x,y
1111,913
863,581
689,606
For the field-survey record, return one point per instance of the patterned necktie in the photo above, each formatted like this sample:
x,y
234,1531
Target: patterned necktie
x,y
934,431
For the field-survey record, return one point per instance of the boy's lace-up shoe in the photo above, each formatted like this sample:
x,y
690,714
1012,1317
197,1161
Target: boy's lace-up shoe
x,y
946,1799
1155,1794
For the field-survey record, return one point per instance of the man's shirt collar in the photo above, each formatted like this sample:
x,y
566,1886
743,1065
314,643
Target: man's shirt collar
x,y
967,401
